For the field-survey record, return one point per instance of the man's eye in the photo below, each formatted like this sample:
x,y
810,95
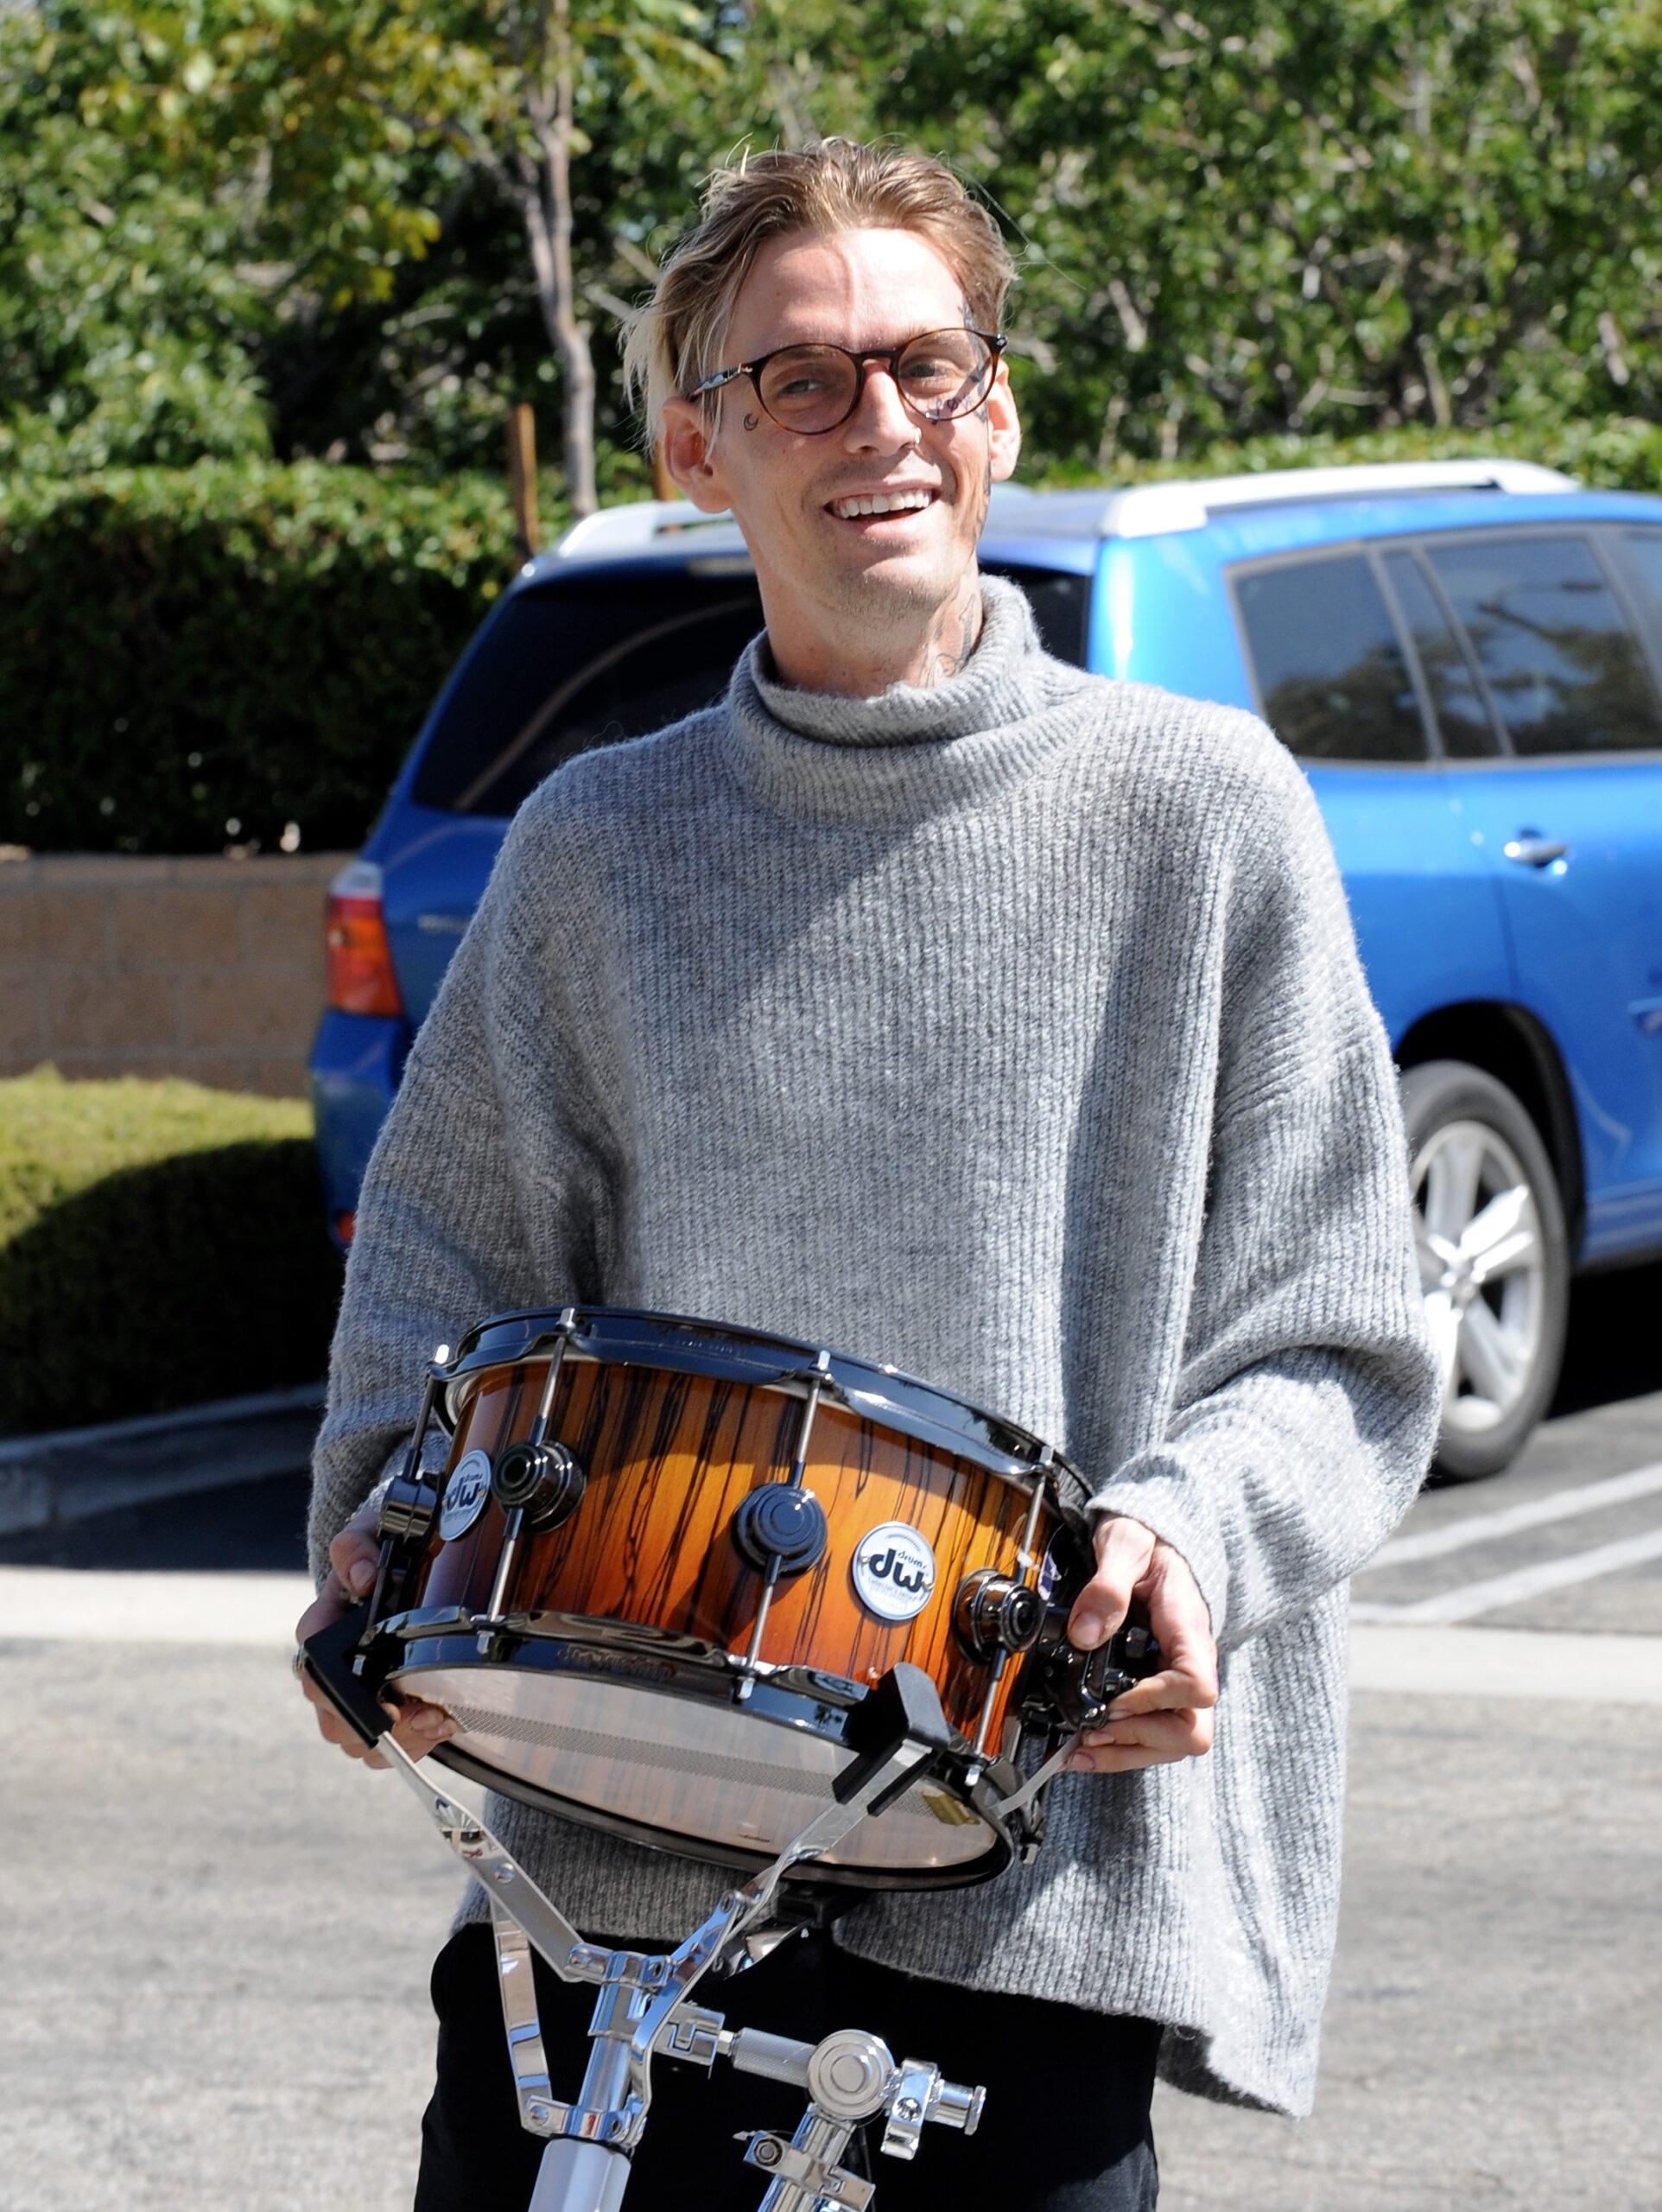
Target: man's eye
x,y
940,375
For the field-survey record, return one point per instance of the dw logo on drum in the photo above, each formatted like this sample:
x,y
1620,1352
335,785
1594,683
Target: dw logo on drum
x,y
894,1571
464,1494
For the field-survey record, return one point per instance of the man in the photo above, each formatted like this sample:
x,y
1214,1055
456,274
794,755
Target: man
x,y
934,1000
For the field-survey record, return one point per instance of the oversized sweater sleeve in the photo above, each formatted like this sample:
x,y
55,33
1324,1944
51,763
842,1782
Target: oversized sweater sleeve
x,y
461,1216
1305,1411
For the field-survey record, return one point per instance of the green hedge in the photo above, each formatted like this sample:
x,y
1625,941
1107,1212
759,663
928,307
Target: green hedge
x,y
186,650
182,650
160,1245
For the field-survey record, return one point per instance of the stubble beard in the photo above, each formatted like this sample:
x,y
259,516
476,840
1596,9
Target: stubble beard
x,y
946,607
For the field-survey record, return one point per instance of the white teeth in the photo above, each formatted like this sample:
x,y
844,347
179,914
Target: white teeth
x,y
881,504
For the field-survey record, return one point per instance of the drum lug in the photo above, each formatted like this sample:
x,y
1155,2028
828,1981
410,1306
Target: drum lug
x,y
995,1616
780,1527
545,1482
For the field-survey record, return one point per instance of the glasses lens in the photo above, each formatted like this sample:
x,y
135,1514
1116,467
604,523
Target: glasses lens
x,y
945,372
808,388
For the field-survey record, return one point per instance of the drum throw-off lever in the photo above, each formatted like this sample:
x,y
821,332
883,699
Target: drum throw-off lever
x,y
1065,1688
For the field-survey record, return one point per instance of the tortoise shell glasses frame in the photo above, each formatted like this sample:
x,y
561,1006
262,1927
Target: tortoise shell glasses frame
x,y
940,374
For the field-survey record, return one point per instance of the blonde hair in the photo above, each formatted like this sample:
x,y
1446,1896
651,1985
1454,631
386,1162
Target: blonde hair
x,y
837,184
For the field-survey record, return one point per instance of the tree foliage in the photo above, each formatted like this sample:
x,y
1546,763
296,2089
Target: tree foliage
x,y
230,223
1332,215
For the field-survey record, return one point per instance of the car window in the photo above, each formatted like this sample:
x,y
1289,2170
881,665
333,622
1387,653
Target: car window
x,y
1331,673
1564,671
564,667
570,664
1643,548
1463,716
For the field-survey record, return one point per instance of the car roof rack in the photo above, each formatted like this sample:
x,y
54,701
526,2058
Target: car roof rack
x,y
626,529
649,522
1148,510
1134,511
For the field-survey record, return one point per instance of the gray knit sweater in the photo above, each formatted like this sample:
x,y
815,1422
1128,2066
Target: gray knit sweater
x,y
1012,1032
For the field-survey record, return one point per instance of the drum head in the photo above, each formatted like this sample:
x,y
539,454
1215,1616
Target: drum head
x,y
684,1765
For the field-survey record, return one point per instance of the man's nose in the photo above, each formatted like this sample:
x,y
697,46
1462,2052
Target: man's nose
x,y
881,419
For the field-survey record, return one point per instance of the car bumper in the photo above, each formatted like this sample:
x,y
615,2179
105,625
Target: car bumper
x,y
355,1062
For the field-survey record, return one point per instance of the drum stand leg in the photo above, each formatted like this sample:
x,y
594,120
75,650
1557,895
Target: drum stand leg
x,y
642,2008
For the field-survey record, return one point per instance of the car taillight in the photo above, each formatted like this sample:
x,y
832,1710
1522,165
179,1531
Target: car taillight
x,y
345,1225
360,975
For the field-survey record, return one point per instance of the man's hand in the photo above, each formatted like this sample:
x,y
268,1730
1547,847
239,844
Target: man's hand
x,y
1168,1717
352,1562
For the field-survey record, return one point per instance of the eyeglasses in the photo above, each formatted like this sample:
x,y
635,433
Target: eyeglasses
x,y
812,389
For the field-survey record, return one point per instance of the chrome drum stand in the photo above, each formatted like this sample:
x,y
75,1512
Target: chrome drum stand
x,y
642,2007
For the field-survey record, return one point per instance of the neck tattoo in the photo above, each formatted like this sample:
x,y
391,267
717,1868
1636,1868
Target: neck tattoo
x,y
952,637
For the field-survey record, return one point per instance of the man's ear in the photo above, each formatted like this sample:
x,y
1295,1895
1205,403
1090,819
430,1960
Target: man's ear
x,y
1003,426
688,455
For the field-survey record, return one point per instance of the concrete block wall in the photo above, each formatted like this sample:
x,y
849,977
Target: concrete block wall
x,y
124,965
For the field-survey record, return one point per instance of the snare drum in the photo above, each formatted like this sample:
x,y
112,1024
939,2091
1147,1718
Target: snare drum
x,y
668,1559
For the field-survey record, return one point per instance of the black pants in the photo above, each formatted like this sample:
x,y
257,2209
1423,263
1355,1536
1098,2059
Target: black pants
x,y
1066,2127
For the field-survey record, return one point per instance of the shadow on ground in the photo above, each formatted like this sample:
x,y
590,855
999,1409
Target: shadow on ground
x,y
255,1527
1614,1347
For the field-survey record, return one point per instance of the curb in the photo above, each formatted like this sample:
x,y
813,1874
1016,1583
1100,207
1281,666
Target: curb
x,y
71,1474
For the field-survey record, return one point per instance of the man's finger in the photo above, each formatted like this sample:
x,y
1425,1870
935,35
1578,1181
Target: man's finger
x,y
1152,1739
1185,1733
333,1730
353,1555
1173,1689
419,1726
1123,1550
1178,1616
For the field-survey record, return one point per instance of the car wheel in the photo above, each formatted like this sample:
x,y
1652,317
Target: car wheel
x,y
1494,1262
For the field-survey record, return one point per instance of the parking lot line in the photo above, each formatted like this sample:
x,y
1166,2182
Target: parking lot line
x,y
1534,1513
1485,1662
1496,1590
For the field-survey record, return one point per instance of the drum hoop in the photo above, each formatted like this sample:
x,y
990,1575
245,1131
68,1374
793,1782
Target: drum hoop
x,y
615,1335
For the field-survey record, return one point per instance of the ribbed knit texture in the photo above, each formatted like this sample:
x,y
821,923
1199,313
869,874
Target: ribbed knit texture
x,y
1012,1032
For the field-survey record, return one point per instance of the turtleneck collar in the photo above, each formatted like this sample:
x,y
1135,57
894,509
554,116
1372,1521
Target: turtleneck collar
x,y
907,750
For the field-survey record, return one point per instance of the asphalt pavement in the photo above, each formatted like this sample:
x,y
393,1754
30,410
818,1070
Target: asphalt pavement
x,y
217,1934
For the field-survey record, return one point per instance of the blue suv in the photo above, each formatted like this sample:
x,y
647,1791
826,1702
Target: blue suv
x,y
1466,657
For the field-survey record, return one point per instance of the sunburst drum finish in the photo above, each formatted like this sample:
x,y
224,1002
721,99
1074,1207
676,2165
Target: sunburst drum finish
x,y
668,1456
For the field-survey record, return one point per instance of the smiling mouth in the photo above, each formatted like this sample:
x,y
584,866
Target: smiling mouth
x,y
859,506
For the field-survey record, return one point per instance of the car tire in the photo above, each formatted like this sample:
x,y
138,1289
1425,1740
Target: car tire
x,y
1495,1261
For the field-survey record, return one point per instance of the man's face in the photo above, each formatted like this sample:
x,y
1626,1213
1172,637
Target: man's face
x,y
822,573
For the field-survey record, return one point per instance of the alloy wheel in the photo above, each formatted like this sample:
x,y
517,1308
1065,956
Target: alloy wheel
x,y
1482,1272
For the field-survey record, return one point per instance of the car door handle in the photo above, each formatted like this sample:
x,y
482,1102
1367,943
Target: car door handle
x,y
1531,851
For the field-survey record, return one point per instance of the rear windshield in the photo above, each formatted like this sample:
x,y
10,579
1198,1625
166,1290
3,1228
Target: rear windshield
x,y
573,665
